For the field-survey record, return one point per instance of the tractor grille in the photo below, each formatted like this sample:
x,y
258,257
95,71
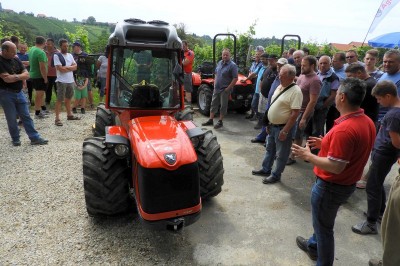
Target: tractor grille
x,y
162,190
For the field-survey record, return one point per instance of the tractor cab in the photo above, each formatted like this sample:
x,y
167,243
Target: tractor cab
x,y
145,72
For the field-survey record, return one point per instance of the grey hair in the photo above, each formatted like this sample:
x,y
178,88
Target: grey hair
x,y
355,90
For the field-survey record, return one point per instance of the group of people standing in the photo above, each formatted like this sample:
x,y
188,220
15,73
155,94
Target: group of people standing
x,y
347,111
43,69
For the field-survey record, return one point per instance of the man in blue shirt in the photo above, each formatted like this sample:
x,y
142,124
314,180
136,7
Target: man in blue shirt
x,y
384,154
226,76
254,70
391,67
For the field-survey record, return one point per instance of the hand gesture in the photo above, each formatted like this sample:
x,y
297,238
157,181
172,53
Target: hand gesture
x,y
314,142
301,152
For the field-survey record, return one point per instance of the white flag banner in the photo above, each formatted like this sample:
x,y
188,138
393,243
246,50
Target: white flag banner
x,y
383,10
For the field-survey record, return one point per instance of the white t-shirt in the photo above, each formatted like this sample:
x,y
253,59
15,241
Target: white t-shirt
x,y
65,77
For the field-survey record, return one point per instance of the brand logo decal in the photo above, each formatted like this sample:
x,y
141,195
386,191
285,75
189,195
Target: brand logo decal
x,y
170,158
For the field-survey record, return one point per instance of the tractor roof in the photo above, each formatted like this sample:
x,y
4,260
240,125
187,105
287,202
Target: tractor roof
x,y
136,32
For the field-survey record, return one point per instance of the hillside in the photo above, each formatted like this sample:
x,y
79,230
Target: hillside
x,y
29,27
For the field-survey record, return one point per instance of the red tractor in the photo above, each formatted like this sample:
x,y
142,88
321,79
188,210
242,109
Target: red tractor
x,y
146,151
203,84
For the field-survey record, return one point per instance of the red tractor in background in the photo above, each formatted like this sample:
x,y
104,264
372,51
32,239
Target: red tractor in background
x,y
203,85
146,151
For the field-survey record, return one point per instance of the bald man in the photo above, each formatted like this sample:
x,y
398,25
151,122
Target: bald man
x,y
12,99
330,84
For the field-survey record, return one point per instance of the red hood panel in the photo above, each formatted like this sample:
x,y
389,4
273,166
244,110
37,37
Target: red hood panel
x,y
159,139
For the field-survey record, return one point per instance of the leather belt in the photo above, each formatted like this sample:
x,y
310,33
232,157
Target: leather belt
x,y
10,90
277,125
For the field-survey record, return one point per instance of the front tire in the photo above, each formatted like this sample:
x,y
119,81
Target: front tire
x,y
185,115
105,180
104,118
204,97
211,169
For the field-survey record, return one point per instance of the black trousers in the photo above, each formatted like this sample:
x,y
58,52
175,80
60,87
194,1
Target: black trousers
x,y
376,196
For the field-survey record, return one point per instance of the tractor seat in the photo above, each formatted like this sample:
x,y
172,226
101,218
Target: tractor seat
x,y
145,96
206,70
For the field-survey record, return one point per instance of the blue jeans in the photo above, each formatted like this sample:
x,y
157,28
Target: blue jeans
x,y
262,135
276,147
254,102
326,198
16,104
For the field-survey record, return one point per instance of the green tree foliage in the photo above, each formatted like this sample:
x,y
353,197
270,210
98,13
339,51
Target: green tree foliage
x,y
81,35
91,20
99,46
6,32
273,49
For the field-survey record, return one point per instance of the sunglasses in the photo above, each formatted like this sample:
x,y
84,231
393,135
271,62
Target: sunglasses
x,y
348,57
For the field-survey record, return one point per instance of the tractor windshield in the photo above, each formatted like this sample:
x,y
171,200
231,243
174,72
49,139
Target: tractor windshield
x,y
144,79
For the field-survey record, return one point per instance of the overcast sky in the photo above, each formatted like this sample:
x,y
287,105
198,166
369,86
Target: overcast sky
x,y
340,21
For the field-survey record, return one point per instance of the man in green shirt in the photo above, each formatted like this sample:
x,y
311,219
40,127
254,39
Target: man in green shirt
x,y
38,75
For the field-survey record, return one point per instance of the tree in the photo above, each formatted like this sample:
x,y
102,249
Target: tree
x,y
81,35
91,20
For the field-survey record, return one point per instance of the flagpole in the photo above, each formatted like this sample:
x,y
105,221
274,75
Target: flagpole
x,y
369,28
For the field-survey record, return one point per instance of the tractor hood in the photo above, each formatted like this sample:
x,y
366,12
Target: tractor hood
x,y
161,142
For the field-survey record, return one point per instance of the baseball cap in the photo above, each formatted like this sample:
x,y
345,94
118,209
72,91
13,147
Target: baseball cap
x,y
282,61
264,55
76,44
272,56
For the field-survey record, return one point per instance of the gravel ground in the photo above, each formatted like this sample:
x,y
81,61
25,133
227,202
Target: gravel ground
x,y
43,219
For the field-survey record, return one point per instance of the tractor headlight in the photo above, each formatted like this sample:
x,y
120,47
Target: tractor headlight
x,y
121,150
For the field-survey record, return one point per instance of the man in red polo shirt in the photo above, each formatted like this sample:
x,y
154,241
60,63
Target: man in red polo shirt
x,y
339,165
187,68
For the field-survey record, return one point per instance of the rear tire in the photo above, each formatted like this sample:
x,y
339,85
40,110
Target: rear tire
x,y
211,169
204,97
105,180
104,118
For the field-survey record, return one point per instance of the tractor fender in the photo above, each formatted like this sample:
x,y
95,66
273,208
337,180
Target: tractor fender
x,y
116,135
196,79
161,142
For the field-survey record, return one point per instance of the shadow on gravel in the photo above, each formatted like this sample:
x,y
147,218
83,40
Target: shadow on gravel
x,y
130,241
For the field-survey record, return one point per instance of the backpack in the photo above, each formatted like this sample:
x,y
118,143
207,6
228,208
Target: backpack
x,y
61,57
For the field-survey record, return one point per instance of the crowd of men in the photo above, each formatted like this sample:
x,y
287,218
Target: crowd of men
x,y
44,69
335,113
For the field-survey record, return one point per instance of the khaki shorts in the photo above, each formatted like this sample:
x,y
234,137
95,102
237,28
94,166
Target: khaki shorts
x,y
64,91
